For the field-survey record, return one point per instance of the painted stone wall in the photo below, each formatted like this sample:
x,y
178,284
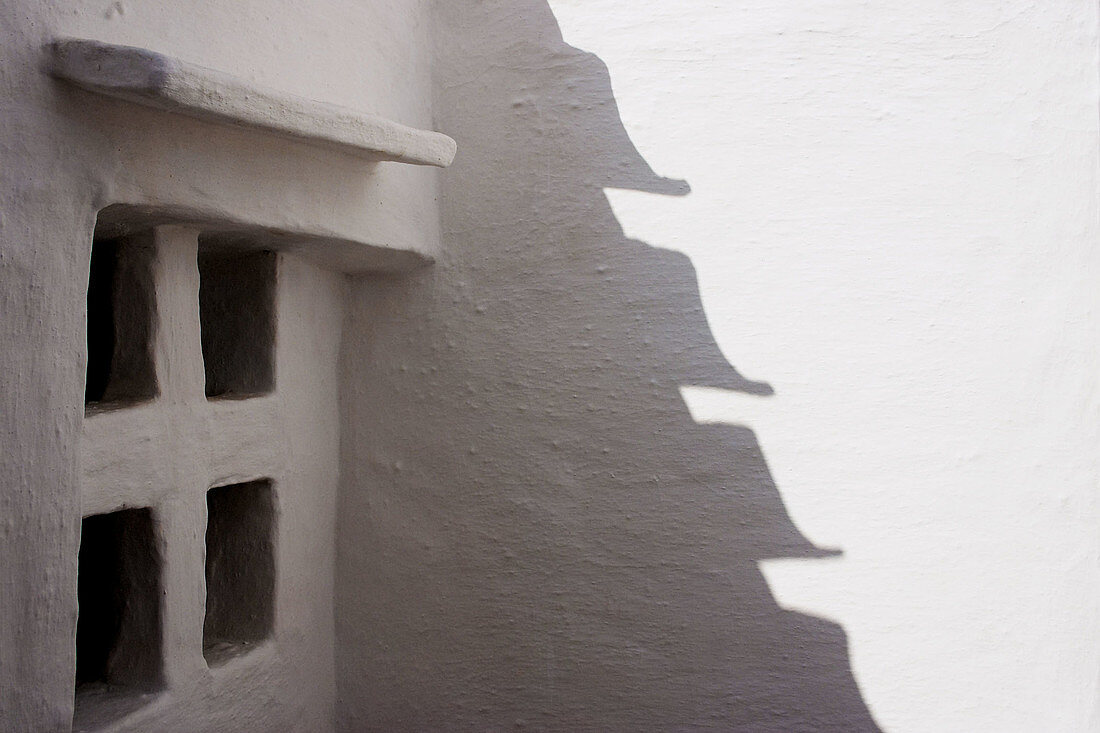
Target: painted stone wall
x,y
893,221
755,386
65,154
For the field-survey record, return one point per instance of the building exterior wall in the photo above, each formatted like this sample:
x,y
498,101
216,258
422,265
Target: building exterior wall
x,y
893,221
576,514
65,154
753,386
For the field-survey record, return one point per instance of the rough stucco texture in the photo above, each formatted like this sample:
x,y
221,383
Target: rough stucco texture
x,y
65,154
557,511
893,221
754,387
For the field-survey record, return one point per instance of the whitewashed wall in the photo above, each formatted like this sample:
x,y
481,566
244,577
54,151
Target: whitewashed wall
x,y
64,154
596,461
893,219
561,495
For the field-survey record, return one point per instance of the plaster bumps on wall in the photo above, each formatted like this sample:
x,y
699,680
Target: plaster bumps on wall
x,y
121,304
240,568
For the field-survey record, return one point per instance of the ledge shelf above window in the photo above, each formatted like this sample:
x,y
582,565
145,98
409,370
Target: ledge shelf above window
x,y
156,80
241,163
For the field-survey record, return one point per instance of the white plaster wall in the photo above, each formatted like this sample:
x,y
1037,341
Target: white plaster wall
x,y
559,494
893,220
63,155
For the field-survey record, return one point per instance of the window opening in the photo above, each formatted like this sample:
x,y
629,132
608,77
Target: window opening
x,y
121,305
118,632
240,568
237,318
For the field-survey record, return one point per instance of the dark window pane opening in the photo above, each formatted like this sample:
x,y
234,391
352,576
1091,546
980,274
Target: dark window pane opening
x,y
121,303
240,568
118,633
237,318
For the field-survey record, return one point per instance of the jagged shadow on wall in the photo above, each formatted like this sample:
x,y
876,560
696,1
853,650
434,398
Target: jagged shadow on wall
x,y
555,543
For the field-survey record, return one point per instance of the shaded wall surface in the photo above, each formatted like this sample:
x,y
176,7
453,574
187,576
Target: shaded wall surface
x,y
534,532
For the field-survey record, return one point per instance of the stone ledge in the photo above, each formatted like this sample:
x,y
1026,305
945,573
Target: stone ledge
x,y
153,79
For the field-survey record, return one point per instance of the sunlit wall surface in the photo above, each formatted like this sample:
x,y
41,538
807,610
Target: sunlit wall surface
x,y
893,222
754,388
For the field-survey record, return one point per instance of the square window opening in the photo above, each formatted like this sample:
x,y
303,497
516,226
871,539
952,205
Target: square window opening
x,y
118,632
237,318
121,310
240,568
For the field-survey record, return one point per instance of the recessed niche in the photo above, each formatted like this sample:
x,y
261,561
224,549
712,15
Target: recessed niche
x,y
121,307
118,631
237,317
240,568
